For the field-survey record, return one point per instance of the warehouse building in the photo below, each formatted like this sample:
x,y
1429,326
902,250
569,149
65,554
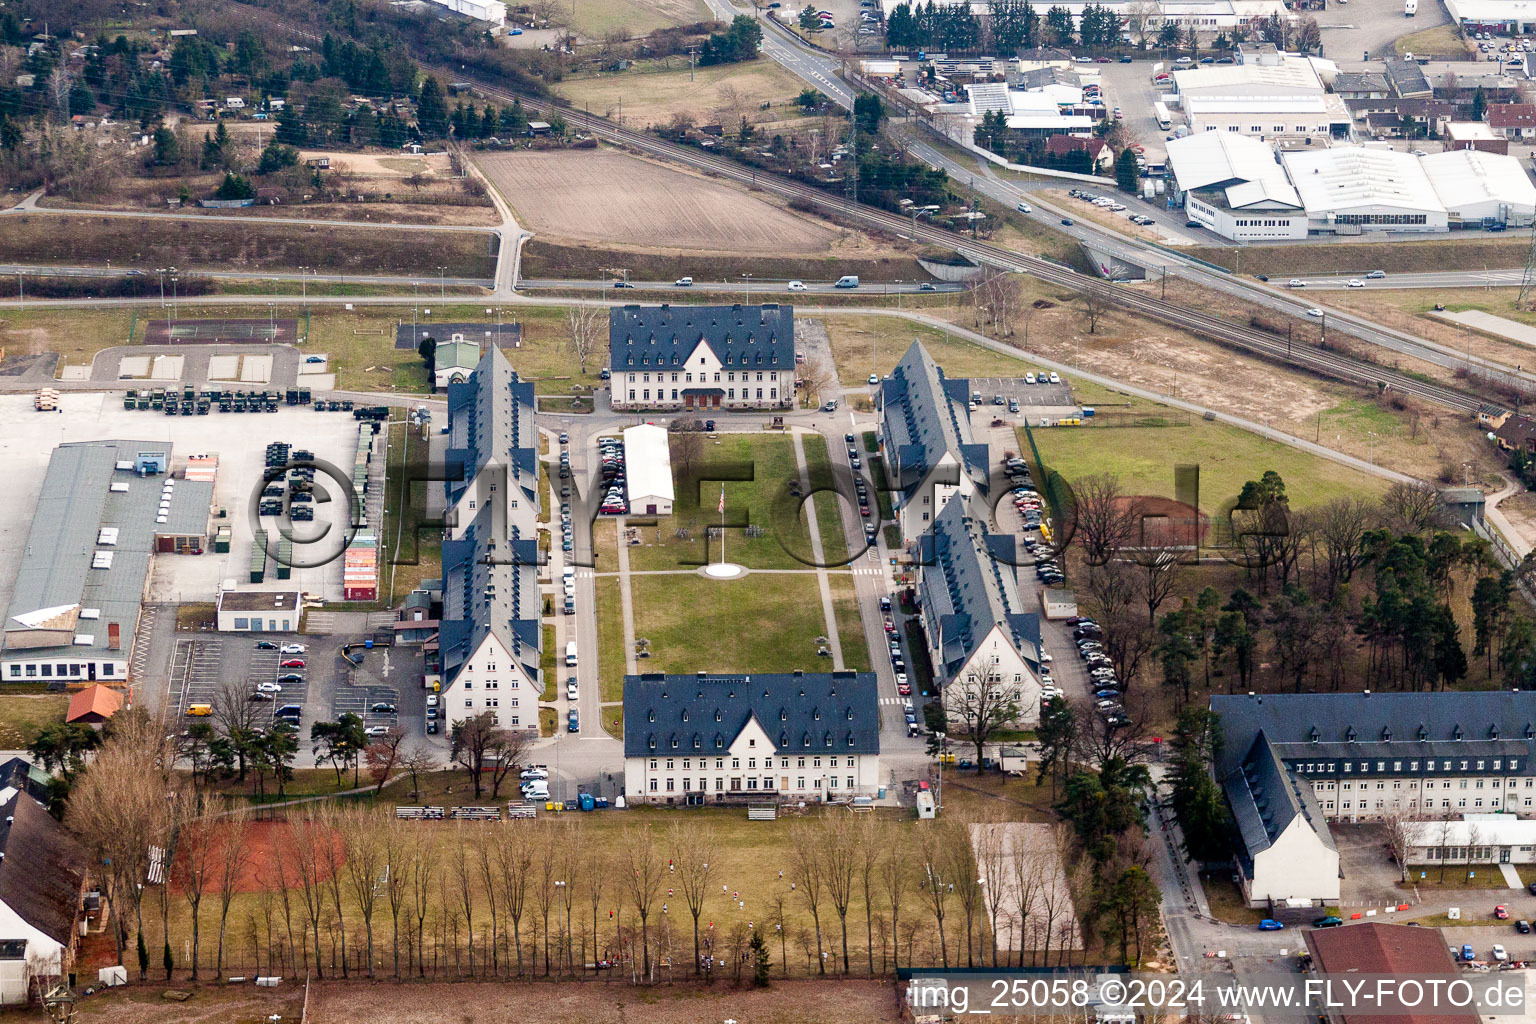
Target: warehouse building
x,y
648,464
106,509
1203,15
702,357
1481,189
1353,189
1233,185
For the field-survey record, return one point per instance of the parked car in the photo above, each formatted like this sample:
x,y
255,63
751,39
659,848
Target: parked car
x,y
376,730
290,677
265,645
1468,954
294,648
1499,953
382,707
294,663
1269,924
1327,922
1501,912
572,722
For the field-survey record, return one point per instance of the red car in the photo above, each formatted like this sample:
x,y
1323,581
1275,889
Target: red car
x,y
294,663
1501,912
905,689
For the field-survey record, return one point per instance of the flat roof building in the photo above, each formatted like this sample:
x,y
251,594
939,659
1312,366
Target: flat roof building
x,y
259,611
1480,188
106,508
1351,189
648,465
1233,184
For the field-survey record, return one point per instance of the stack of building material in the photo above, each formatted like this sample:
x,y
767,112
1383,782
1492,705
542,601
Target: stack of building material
x,y
203,467
360,570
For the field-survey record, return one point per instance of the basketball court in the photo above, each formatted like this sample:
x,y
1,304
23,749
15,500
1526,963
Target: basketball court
x,y
221,332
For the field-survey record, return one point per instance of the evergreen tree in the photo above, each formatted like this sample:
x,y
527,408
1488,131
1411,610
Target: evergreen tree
x,y
1127,174
81,100
488,122
1058,26
431,110
1479,104
167,146
868,112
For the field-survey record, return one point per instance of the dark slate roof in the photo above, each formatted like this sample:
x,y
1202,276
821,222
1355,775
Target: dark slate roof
x,y
1407,79
967,584
741,337
1266,798
42,868
491,585
490,416
1366,725
802,712
22,775
1367,81
923,415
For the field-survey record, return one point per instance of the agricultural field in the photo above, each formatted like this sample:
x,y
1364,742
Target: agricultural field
x,y
595,19
195,243
650,94
1405,257
611,197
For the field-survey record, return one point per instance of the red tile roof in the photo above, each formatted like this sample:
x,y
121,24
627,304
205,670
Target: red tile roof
x,y
99,701
1511,115
1385,949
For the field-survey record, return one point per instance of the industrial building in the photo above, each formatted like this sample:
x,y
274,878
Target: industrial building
x,y
1515,17
490,11
1268,95
1203,15
1384,952
106,509
258,611
488,641
1292,762
702,357
648,465
1501,838
703,738
1233,185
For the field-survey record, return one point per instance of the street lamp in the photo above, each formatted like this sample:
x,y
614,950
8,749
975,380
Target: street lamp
x,y
442,282
160,272
749,288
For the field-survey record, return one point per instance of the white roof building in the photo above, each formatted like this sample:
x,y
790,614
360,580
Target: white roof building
x,y
1291,76
648,464
1233,185
1477,186
1495,837
1519,15
1354,188
1207,15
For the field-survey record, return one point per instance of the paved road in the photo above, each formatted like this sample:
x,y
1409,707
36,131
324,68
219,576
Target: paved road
x,y
757,290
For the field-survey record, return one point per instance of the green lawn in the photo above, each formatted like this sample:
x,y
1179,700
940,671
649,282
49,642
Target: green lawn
x,y
23,716
850,625
829,514
547,665
610,639
419,554
760,467
1144,459
760,623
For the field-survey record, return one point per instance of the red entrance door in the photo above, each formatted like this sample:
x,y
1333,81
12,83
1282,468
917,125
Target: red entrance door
x,y
687,401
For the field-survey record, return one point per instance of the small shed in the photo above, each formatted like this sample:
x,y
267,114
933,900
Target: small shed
x,y
1057,603
1012,758
94,705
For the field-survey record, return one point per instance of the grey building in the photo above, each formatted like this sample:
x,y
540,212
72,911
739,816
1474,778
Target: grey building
x,y
488,639
105,510
1407,81
1369,756
930,452
1363,85
702,357
705,738
979,635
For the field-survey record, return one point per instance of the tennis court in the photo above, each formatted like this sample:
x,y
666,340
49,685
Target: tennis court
x,y
221,332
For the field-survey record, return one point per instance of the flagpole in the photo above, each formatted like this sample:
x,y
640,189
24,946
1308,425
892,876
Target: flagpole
x,y
722,524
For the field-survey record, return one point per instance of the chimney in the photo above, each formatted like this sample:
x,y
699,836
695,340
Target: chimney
x,y
114,636
1367,693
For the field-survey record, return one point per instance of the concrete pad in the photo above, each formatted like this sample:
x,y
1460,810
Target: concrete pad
x,y
130,367
256,369
224,368
317,381
75,373
1487,323
238,440
167,368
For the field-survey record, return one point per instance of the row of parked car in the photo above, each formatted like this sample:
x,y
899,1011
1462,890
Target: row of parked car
x,y
1089,637
611,474
861,489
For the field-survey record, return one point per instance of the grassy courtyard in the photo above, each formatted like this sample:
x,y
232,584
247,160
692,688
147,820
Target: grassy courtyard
x,y
765,622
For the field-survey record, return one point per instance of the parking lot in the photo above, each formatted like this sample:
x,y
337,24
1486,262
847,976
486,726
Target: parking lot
x,y
30,438
221,669
1018,389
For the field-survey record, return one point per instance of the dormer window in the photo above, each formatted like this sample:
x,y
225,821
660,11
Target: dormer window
x,y
1386,734
685,714
1314,736
1456,733
783,715
1349,736
1423,733
1493,731
718,716
650,715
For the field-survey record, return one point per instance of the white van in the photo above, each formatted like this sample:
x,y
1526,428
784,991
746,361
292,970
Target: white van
x,y
537,791
847,281
570,654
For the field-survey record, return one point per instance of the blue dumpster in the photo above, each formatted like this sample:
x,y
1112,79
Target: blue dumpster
x,y
586,802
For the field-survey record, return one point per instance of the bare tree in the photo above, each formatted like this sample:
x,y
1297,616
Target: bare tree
x,y
199,862
1095,301
694,848
978,705
1402,835
419,760
587,324
687,448
1103,519
594,874
464,880
400,846
937,885
992,863
997,298
514,859
1415,508
235,715
309,834
507,752
1342,526
962,872
806,857
867,843
364,837
234,855
840,861
642,878
422,865
383,755
471,743
1156,577
896,873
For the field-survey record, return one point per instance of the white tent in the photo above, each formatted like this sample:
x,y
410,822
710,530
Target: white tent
x,y
648,465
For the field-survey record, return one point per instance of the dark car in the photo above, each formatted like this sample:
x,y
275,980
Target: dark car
x,y
1125,58
1067,221
268,645
1327,922
1523,927
382,708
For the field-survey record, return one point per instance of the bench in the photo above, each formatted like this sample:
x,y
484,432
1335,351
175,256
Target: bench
x,y
522,811
762,812
476,813
419,813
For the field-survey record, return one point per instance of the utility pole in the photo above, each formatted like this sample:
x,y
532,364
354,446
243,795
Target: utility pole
x,y
693,53
442,283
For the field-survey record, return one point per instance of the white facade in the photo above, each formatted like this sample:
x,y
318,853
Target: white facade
x,y
1475,186
253,611
1371,799
1475,839
999,666
1247,225
648,466
1351,189
1298,866
1320,116
1232,184
492,680
750,765
1203,15
491,12
946,479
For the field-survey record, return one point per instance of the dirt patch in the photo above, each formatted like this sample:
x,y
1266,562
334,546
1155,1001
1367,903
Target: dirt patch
x,y
1166,522
792,1002
1403,257
271,864
607,196
373,164
1520,509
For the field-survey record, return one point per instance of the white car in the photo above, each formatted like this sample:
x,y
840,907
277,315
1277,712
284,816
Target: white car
x,y
535,773
1046,659
874,378
1355,282
1055,379
1025,208
796,286
1296,282
1314,311
1029,378
432,700
1499,953
570,691
376,730
293,649
268,688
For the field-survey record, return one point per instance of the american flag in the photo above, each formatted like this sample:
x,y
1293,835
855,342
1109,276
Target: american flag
x,y
722,499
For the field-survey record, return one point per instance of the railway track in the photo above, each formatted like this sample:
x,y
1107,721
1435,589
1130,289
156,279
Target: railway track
x,y
1332,364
